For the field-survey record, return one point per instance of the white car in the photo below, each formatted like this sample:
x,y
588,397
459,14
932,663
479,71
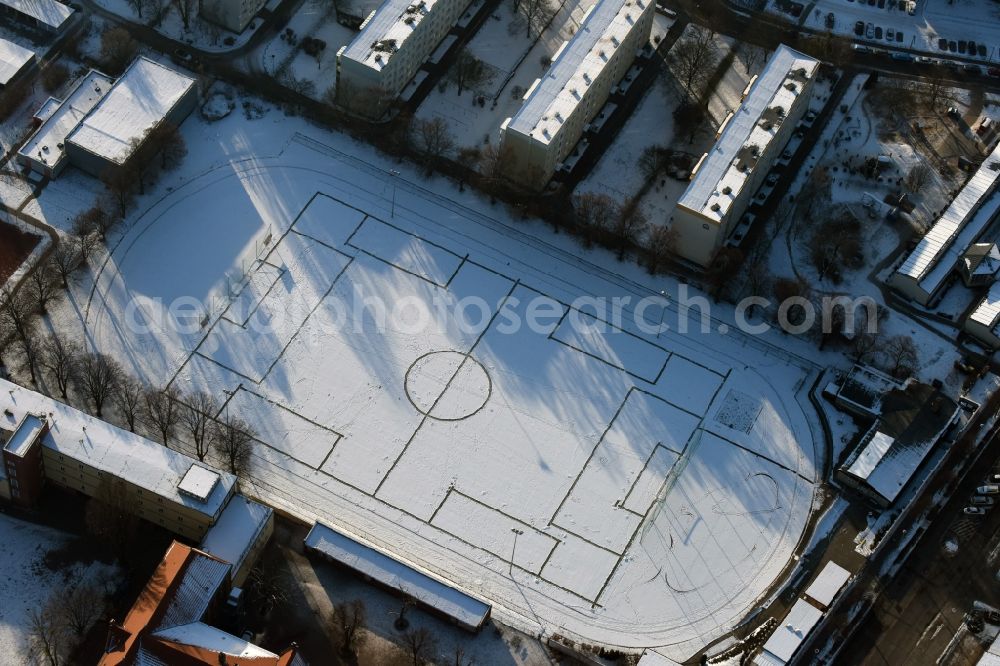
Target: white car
x,y
988,489
974,511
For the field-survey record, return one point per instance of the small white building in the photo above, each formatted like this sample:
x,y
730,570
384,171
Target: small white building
x,y
14,60
828,584
725,179
789,636
393,43
584,71
49,15
983,323
45,150
233,15
926,269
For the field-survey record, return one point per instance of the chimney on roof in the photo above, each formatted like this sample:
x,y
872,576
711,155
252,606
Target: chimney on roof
x,y
222,659
117,637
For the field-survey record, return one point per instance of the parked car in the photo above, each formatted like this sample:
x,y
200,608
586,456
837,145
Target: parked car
x,y
989,489
952,45
942,43
979,500
962,46
772,179
972,47
972,69
902,57
869,31
899,36
994,478
974,511
830,21
878,32
981,50
859,28
890,34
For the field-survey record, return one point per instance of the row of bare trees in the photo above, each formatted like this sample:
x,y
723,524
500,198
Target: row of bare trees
x,y
57,626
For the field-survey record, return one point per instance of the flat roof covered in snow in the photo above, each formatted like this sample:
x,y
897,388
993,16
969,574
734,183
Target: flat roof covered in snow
x,y
432,593
987,312
726,168
198,482
27,432
123,454
787,638
383,33
136,104
47,144
828,583
47,12
237,529
556,95
13,58
932,246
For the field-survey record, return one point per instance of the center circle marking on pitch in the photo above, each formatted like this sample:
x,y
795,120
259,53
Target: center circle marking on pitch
x,y
447,385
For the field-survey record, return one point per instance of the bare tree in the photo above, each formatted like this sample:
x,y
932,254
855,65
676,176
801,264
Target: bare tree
x,y
99,377
64,260
689,120
122,184
118,49
693,59
662,247
836,244
751,54
723,270
196,418
167,141
233,441
16,309
419,642
866,346
186,9
629,228
432,139
161,411
532,15
85,234
46,634
651,162
595,212
468,71
130,399
61,359
43,285
469,158
81,608
347,622
901,356
918,177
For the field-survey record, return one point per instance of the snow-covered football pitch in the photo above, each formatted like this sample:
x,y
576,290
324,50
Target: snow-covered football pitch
x,y
623,488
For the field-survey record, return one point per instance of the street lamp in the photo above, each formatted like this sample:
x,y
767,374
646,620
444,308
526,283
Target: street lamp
x,y
663,312
392,212
513,550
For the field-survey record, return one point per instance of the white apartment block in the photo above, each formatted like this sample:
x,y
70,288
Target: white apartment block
x,y
747,143
925,270
233,15
394,41
585,69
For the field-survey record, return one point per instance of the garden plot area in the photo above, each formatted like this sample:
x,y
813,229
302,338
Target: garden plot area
x,y
426,378
305,59
512,59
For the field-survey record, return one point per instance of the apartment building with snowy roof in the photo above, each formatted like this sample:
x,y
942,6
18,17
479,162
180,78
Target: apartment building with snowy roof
x,y
103,123
50,16
925,271
584,71
750,139
394,42
50,442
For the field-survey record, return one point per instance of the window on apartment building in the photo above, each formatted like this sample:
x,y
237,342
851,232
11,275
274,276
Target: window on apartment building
x,y
11,471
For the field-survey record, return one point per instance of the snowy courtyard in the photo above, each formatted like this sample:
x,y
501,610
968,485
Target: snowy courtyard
x,y
588,478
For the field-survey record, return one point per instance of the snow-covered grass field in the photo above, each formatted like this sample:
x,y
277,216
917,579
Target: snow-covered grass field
x,y
658,483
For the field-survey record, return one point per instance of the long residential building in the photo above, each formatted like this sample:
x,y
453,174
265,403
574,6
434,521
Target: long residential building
x,y
724,181
394,41
585,69
50,442
923,273
49,15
